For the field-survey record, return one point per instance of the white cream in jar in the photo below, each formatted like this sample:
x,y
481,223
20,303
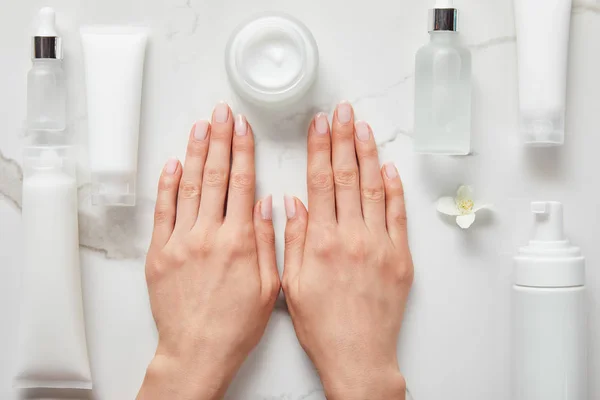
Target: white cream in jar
x,y
272,60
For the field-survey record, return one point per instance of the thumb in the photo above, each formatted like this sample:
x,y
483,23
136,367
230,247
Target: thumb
x,y
295,236
265,248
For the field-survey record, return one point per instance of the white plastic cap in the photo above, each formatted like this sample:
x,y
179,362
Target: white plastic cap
x,y
113,189
47,23
444,3
543,129
48,158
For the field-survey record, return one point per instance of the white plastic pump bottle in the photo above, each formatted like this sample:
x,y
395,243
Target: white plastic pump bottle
x,y
549,313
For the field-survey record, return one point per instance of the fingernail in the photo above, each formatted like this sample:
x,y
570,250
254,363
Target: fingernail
x,y
321,124
171,166
200,130
362,131
266,208
290,206
221,113
241,126
390,170
344,112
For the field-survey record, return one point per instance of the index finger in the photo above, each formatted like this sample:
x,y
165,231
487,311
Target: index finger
x,y
240,199
321,195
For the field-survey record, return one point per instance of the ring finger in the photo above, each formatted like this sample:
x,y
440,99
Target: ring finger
x,y
190,186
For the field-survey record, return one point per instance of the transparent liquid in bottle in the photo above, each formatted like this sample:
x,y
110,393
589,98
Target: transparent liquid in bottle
x,y
46,96
443,96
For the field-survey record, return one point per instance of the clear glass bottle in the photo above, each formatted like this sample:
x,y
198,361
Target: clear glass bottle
x,y
443,88
46,86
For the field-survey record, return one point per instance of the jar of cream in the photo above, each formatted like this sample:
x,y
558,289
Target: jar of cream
x,y
272,60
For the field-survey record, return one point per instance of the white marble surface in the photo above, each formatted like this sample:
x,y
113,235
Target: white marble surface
x,y
455,343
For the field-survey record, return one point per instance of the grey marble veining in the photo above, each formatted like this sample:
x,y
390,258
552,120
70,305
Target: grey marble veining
x,y
314,394
11,180
111,232
585,6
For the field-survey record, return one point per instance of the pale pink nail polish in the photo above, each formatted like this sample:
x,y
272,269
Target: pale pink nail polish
x,y
221,113
290,206
344,112
363,132
390,170
266,208
241,126
171,166
200,130
321,124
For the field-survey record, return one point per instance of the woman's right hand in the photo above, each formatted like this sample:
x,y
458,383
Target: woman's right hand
x,y
348,268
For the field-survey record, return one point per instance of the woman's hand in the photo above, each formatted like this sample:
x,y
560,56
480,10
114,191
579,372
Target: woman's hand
x,y
211,268
348,268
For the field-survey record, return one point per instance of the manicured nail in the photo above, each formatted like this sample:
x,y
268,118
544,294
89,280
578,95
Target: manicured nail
x,y
241,126
200,130
266,208
390,170
171,166
290,206
221,113
344,112
321,124
362,131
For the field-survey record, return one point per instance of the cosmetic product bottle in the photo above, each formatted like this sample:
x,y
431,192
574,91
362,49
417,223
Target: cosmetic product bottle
x,y
443,87
114,69
272,60
52,349
549,313
542,47
46,86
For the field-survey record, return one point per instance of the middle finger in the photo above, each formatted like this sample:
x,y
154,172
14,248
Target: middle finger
x,y
345,167
216,170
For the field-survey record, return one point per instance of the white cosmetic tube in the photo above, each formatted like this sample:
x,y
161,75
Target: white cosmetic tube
x,y
542,45
52,349
114,68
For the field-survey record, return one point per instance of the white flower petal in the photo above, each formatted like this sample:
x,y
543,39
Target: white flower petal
x,y
481,207
464,192
447,205
465,221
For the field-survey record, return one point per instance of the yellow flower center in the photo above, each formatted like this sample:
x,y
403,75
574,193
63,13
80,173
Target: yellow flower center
x,y
465,205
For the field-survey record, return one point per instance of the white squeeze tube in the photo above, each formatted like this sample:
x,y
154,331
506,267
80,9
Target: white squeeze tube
x,y
52,349
542,47
114,68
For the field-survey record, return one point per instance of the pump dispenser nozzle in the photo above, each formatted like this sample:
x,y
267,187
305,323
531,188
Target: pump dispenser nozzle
x,y
549,260
548,226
